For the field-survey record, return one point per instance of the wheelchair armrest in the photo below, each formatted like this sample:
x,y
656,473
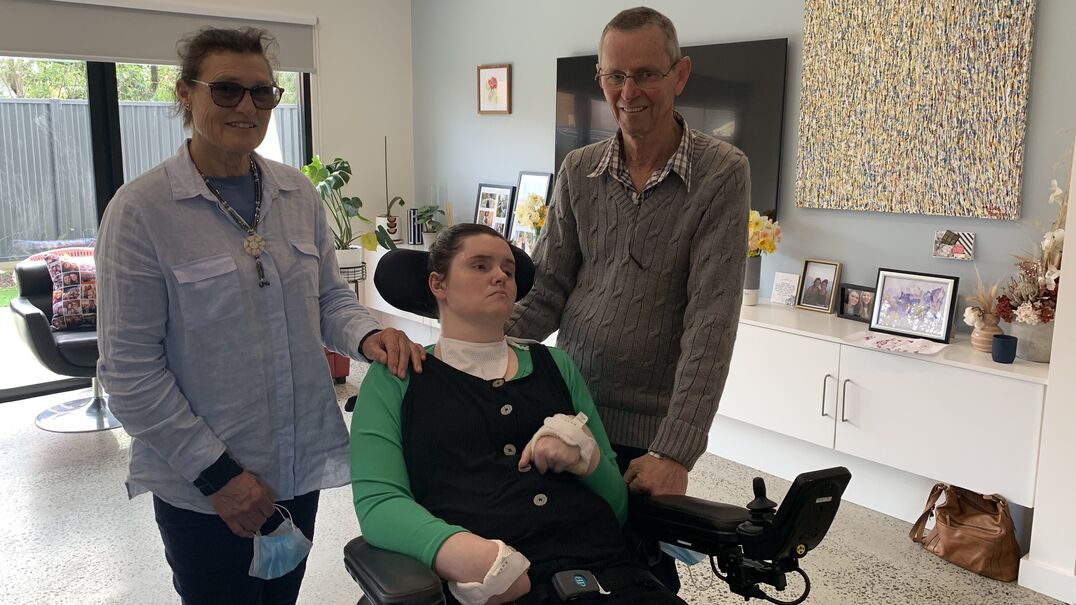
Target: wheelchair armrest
x,y
707,527
694,523
389,578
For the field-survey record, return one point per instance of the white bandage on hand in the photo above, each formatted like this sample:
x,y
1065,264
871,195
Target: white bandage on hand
x,y
506,569
569,429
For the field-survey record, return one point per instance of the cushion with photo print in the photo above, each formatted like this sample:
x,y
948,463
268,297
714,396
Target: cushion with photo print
x,y
74,292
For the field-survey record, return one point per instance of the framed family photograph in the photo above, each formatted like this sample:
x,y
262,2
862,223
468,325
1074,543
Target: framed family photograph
x,y
920,305
493,207
818,285
529,209
495,88
856,302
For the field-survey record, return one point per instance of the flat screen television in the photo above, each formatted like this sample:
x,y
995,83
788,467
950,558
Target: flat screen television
x,y
736,92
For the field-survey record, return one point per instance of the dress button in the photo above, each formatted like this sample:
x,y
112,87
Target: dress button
x,y
498,383
506,409
509,450
540,500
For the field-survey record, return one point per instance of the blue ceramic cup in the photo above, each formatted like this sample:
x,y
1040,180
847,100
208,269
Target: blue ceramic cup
x,y
1003,348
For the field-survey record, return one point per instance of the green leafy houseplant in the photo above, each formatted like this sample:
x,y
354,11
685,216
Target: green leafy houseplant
x,y
329,179
427,217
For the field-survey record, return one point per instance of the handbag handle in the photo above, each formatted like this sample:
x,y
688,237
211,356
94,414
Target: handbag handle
x,y
917,530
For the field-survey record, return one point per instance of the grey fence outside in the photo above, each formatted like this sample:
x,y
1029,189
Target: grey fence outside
x,y
46,167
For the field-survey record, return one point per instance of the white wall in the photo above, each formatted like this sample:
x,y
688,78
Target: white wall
x,y
458,148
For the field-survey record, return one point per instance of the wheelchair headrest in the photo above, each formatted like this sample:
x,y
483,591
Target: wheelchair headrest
x,y
402,278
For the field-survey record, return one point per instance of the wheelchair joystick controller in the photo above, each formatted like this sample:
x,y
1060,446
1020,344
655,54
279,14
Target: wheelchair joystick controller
x,y
762,510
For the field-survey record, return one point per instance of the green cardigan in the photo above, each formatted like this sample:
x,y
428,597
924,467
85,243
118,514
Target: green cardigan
x,y
388,514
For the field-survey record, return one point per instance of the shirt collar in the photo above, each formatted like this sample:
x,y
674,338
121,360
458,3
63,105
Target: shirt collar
x,y
187,184
680,161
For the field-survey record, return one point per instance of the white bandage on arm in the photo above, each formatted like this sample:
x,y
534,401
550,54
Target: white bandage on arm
x,y
506,569
569,429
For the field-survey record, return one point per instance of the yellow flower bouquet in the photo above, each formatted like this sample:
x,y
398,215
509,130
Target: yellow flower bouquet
x,y
763,234
531,213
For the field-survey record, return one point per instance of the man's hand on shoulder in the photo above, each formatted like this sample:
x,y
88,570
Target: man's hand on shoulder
x,y
654,476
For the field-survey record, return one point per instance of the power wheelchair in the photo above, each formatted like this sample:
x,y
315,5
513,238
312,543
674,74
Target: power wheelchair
x,y
747,546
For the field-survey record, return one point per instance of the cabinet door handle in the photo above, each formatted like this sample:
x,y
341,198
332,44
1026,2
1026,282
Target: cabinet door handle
x,y
844,398
825,380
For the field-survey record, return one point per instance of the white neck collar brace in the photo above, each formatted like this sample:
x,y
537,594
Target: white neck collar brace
x,y
486,360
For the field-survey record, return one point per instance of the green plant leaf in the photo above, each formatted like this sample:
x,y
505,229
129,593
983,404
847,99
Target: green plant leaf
x,y
385,239
368,241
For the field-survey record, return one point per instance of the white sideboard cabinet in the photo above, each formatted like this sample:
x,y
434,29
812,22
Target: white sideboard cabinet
x,y
954,416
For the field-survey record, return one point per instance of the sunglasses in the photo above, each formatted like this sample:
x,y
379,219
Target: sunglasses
x,y
230,94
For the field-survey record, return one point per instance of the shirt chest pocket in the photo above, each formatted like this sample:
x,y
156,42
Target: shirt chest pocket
x,y
208,290
302,277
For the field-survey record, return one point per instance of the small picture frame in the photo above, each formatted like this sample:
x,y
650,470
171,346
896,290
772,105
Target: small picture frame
x,y
957,245
919,305
493,206
532,198
785,286
495,88
856,302
818,285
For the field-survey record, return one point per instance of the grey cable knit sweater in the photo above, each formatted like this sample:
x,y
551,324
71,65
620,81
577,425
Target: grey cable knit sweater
x,y
646,297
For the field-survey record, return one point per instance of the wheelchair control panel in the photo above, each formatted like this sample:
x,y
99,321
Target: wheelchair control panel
x,y
753,545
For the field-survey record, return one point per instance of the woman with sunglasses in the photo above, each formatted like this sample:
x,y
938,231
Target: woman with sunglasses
x,y
218,286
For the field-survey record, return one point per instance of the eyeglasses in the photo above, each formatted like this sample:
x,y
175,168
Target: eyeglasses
x,y
643,79
230,94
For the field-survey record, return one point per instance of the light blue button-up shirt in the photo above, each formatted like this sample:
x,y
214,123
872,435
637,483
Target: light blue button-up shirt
x,y
198,359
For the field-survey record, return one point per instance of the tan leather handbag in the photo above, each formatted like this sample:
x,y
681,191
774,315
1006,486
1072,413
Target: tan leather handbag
x,y
971,530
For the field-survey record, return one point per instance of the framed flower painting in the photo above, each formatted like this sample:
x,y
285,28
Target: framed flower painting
x,y
918,305
495,88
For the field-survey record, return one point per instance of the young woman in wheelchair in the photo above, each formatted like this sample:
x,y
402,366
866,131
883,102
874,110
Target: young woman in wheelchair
x,y
491,466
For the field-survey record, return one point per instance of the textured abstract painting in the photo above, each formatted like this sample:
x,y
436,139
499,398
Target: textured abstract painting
x,y
914,107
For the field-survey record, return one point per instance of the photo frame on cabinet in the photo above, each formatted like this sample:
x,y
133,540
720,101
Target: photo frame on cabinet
x,y
818,285
529,209
919,305
493,207
856,302
495,88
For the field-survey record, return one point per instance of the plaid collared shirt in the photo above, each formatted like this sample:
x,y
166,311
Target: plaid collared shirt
x,y
679,162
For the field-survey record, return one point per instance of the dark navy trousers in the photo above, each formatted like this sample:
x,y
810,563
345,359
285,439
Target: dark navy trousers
x,y
211,565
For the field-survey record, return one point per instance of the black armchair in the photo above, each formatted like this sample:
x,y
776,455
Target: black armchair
x,y
748,546
72,353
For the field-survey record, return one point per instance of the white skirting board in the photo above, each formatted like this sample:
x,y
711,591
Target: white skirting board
x,y
1057,583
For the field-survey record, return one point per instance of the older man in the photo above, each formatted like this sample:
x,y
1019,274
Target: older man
x,y
641,264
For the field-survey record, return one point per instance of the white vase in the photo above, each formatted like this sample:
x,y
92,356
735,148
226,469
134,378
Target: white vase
x,y
1033,341
352,257
428,239
751,277
391,223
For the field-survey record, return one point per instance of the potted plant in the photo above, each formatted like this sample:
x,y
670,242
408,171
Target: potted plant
x,y
426,216
388,221
1029,302
329,179
763,235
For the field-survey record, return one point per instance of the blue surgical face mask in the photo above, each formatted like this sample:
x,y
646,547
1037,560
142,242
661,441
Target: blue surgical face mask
x,y
280,552
686,556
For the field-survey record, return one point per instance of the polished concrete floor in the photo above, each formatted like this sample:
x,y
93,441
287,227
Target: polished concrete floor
x,y
68,534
